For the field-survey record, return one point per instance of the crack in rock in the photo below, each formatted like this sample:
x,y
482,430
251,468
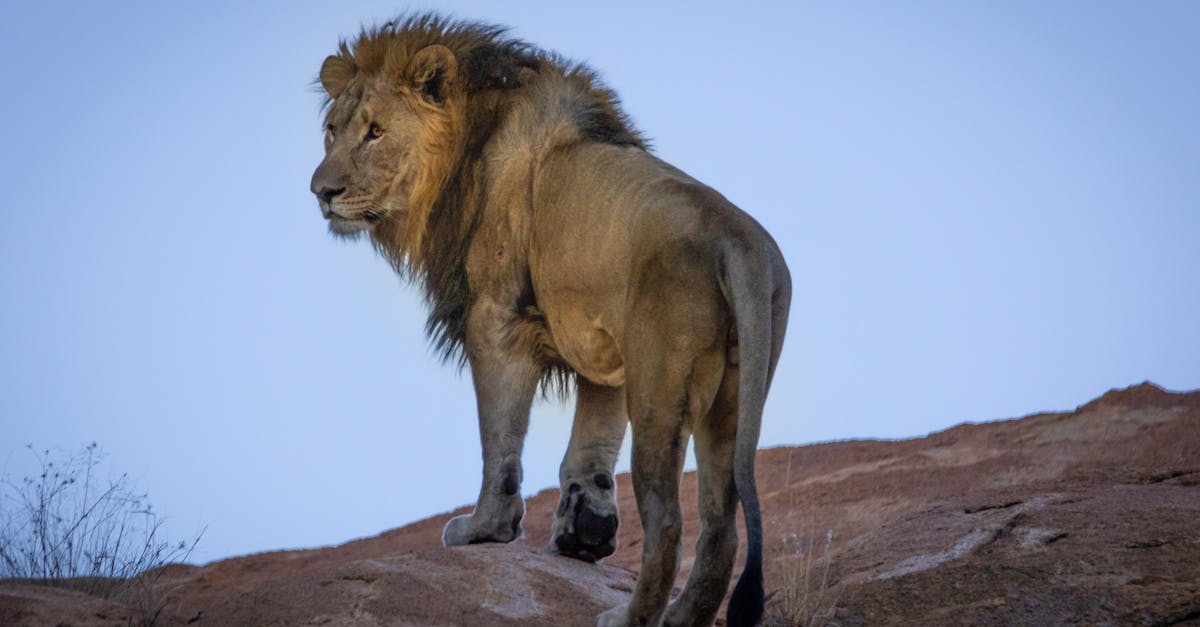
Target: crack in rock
x,y
995,521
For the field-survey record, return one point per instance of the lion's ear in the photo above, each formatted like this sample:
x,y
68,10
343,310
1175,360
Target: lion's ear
x,y
336,73
433,71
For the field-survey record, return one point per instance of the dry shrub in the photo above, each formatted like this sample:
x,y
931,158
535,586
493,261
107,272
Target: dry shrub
x,y
805,598
64,526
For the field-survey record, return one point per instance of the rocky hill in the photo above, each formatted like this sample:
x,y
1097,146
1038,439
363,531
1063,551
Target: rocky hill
x,y
1090,516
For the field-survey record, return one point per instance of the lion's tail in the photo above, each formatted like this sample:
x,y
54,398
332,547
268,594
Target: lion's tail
x,y
760,300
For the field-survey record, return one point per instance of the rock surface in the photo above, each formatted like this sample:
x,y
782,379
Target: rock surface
x,y
1091,516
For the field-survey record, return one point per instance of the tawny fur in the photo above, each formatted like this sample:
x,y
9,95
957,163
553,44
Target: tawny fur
x,y
549,241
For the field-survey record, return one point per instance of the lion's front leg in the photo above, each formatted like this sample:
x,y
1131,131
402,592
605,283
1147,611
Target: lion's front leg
x,y
505,381
585,524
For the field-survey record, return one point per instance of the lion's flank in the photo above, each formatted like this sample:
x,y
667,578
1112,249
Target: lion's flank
x,y
445,203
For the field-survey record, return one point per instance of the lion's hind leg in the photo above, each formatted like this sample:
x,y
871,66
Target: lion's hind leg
x,y
659,441
672,378
716,548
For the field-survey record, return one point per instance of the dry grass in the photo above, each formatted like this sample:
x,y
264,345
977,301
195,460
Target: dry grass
x,y
65,527
805,598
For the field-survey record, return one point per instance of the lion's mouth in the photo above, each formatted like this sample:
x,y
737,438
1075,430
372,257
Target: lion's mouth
x,y
348,224
342,226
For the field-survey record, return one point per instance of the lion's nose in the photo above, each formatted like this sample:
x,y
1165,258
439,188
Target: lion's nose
x,y
327,194
328,181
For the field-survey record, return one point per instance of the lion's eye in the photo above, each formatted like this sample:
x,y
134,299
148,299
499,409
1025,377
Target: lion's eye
x,y
375,132
328,132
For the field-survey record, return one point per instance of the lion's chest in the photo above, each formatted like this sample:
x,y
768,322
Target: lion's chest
x,y
584,339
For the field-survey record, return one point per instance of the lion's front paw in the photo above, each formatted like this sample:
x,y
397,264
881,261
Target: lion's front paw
x,y
458,531
466,529
585,526
616,617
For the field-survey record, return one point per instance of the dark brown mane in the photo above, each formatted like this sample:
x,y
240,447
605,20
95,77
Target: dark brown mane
x,y
492,68
488,58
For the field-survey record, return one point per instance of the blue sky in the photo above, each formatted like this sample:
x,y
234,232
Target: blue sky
x,y
989,209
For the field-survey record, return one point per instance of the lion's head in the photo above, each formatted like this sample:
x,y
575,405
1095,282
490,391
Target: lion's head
x,y
403,99
382,136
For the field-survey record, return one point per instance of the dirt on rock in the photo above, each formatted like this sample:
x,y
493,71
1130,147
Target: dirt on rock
x,y
1083,517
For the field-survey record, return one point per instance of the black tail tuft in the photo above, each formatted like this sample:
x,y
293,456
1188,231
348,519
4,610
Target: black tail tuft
x,y
746,603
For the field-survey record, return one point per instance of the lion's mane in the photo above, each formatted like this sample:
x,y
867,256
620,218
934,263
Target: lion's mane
x,y
431,245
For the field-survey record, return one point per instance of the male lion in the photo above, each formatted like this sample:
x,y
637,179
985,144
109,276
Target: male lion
x,y
549,241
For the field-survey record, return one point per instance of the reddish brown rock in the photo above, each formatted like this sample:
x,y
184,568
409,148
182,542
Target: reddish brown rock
x,y
42,605
1091,516
476,585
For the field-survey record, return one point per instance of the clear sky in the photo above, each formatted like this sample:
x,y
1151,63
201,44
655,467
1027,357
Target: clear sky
x,y
988,208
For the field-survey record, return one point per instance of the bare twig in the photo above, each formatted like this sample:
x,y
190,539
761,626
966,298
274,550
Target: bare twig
x,y
65,527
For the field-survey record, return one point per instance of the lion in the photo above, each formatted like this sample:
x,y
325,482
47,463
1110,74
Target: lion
x,y
552,245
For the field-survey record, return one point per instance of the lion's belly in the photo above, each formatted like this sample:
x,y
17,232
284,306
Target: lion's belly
x,y
587,345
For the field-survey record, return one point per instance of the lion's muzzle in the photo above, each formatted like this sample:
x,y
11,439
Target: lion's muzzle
x,y
328,182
